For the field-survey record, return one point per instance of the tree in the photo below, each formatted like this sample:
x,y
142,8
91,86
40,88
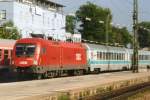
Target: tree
x,y
121,36
95,25
8,31
70,23
144,35
90,16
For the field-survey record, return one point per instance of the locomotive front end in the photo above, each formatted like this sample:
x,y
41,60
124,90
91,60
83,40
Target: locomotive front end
x,y
25,55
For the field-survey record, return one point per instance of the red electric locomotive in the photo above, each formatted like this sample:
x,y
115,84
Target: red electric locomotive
x,y
45,58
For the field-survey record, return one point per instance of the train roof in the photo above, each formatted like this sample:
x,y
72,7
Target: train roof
x,y
104,47
6,43
50,42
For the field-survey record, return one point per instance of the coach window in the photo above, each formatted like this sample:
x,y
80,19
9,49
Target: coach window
x,y
123,56
114,56
6,60
97,55
148,57
107,54
110,56
140,57
101,55
119,56
143,57
0,54
104,56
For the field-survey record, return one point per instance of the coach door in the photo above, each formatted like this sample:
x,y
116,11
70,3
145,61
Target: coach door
x,y
6,58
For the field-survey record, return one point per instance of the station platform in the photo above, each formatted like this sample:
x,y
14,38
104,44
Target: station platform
x,y
71,88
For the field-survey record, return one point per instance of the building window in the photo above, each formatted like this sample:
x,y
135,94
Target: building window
x,y
3,14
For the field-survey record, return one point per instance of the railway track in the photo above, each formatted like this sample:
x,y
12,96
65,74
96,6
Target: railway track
x,y
121,94
134,90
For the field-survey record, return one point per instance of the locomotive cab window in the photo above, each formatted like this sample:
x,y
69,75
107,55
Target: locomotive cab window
x,y
26,50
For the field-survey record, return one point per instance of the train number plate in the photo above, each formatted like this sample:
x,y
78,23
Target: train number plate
x,y
23,62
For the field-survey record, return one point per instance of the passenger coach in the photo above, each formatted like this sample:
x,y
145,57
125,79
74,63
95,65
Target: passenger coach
x,y
109,58
6,47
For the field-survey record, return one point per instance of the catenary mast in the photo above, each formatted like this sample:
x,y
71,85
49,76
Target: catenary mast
x,y
135,38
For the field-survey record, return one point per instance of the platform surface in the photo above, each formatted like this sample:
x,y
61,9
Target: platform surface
x,y
20,90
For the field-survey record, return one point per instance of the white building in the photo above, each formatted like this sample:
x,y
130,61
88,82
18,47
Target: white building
x,y
34,16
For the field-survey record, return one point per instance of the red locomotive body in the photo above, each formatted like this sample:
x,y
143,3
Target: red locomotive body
x,y
48,58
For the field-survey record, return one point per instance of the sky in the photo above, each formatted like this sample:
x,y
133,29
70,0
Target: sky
x,y
121,9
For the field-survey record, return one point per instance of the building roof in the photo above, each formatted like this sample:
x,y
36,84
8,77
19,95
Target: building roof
x,y
57,4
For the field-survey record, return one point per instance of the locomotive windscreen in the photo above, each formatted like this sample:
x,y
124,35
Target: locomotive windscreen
x,y
25,50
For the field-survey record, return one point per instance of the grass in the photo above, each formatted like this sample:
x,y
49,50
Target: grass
x,y
144,95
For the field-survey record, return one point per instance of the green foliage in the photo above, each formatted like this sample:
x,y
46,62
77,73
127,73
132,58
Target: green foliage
x,y
70,23
144,35
95,23
8,31
121,36
64,97
92,29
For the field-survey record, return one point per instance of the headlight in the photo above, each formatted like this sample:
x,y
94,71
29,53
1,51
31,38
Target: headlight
x,y
35,62
12,62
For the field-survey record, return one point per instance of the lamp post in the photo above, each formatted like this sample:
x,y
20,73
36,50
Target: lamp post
x,y
106,29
